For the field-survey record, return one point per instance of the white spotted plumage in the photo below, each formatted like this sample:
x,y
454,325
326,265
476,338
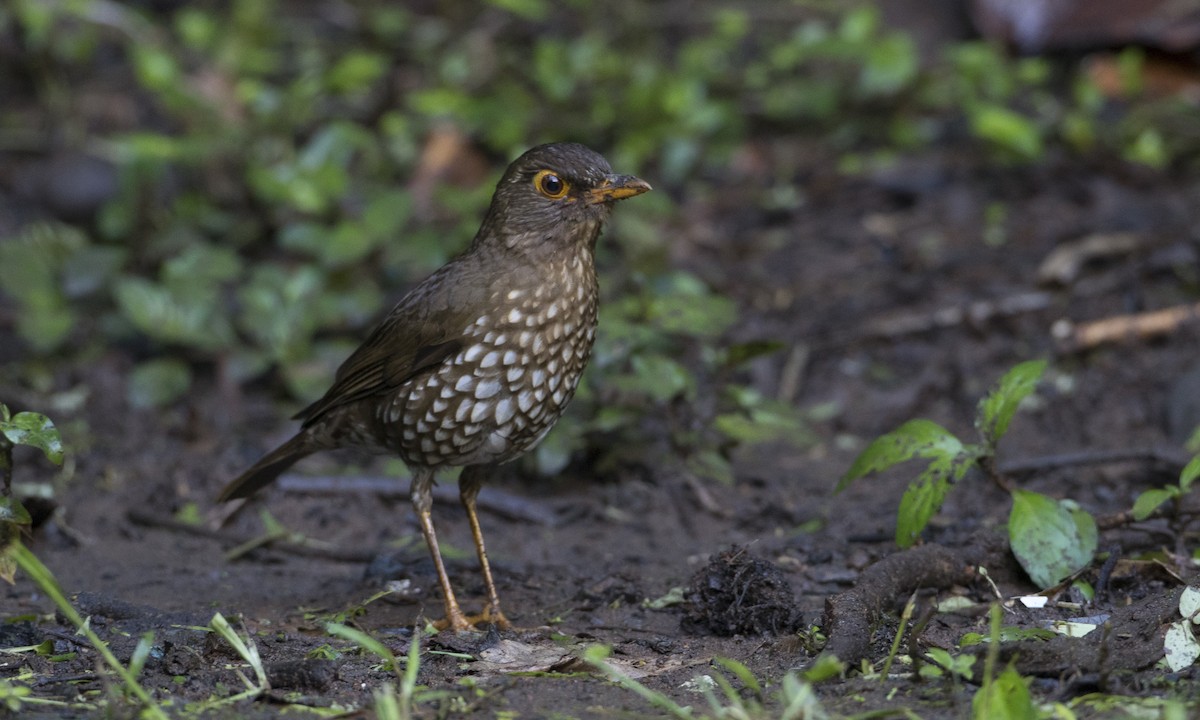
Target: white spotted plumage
x,y
513,375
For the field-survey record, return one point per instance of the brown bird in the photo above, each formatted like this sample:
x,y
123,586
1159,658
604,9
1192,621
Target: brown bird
x,y
476,364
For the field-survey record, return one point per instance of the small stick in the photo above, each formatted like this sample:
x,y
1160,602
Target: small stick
x,y
507,505
138,517
1099,457
1074,337
975,313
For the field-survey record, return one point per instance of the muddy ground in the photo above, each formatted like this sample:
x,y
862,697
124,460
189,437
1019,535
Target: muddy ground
x,y
853,280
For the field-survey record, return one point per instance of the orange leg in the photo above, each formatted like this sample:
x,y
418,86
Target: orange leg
x,y
422,500
468,488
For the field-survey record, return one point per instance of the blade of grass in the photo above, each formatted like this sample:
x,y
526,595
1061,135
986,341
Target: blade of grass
x,y
904,618
386,699
44,579
596,655
248,652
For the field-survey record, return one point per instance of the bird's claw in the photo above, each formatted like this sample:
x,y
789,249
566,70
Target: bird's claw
x,y
459,622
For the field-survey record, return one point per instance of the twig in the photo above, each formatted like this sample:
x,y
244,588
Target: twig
x,y
1099,457
1105,574
138,517
1073,337
1126,519
975,314
507,505
791,376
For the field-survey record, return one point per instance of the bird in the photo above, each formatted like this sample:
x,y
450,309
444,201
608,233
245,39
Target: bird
x,y
475,365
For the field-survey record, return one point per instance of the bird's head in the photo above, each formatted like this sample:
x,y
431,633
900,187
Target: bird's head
x,y
556,194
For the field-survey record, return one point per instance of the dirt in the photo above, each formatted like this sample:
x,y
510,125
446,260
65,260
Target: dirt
x,y
842,279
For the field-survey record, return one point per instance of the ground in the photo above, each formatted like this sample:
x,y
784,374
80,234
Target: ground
x,y
859,280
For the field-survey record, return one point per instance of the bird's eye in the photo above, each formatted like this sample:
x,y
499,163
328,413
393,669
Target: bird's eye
x,y
548,183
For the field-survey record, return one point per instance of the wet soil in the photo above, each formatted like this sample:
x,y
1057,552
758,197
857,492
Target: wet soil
x,y
893,294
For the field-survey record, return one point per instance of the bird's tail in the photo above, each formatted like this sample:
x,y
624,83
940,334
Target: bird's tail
x,y
264,472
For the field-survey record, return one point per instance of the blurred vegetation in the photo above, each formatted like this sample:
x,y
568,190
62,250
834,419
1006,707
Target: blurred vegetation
x,y
266,212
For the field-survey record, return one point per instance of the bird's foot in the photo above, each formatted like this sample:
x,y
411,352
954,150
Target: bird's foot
x,y
491,615
458,622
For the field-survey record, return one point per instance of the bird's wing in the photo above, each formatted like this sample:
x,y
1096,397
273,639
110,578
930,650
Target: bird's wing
x,y
418,334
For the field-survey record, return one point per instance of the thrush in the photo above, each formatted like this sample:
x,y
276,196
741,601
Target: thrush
x,y
475,365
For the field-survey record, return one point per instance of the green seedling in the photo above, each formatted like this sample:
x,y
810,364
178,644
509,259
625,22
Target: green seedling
x,y
1151,500
248,651
1005,695
942,662
1052,539
949,458
387,702
34,430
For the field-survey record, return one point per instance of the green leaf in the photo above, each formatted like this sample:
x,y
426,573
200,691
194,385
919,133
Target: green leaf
x,y
997,409
921,501
13,512
31,269
1051,538
1007,634
13,516
915,438
156,383
199,267
527,9
91,269
1149,501
189,316
682,304
741,353
35,430
141,653
1190,472
741,672
156,68
657,377
889,66
356,71
824,668
761,420
1007,697
711,465
1148,148
363,640
1008,130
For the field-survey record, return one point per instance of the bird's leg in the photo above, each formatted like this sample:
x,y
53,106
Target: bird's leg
x,y
422,500
468,489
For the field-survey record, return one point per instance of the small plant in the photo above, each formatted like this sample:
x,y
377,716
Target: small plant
x,y
941,662
1151,500
34,430
1052,539
388,703
1005,695
248,651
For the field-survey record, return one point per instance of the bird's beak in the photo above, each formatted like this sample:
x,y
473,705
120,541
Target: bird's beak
x,y
616,187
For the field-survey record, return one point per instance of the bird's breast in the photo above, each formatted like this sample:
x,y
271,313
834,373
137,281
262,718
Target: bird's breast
x,y
521,359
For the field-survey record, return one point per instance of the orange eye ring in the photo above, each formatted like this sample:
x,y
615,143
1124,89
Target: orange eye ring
x,y
549,184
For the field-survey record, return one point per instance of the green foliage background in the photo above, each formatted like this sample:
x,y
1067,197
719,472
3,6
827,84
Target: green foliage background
x,y
264,215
